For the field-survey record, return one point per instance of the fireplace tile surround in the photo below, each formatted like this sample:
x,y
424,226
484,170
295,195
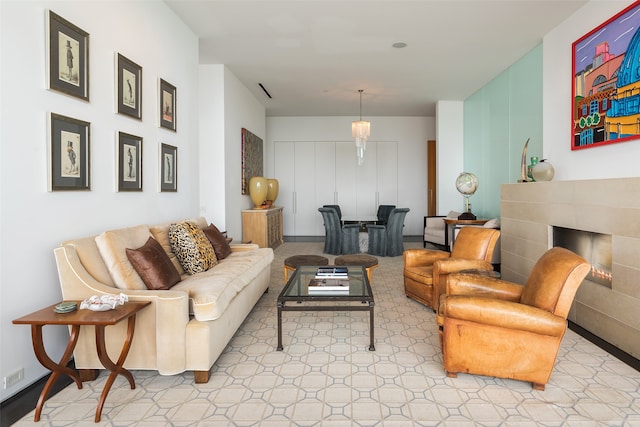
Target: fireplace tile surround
x,y
609,206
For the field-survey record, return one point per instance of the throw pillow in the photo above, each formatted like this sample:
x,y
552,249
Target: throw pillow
x,y
191,246
218,241
112,245
153,265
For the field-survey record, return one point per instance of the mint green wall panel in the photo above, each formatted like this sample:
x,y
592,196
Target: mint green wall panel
x,y
497,121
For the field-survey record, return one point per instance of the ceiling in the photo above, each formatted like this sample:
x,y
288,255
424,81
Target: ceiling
x,y
313,56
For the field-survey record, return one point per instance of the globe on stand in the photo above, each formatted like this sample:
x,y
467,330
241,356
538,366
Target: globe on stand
x,y
467,184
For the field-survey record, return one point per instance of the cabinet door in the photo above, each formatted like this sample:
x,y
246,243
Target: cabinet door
x,y
284,172
305,189
325,180
346,178
366,179
387,173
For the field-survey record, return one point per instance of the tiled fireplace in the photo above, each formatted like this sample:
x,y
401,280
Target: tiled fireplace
x,y
530,212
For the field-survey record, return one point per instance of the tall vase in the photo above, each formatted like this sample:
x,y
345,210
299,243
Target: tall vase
x,y
258,191
272,191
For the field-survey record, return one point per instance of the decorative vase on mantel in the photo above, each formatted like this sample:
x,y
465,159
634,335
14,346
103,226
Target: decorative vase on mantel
x,y
258,191
272,191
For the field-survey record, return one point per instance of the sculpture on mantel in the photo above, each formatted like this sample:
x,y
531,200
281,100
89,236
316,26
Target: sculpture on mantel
x,y
523,164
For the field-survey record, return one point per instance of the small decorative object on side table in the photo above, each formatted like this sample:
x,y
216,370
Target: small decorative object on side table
x,y
75,319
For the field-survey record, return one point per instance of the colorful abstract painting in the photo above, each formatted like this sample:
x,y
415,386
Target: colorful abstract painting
x,y
606,82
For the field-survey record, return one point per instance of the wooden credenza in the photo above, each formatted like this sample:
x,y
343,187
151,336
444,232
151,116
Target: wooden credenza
x,y
262,227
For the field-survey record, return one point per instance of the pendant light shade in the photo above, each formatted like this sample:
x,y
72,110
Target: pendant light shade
x,y
360,131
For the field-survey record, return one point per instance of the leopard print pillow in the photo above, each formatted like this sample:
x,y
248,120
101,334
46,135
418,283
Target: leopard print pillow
x,y
192,248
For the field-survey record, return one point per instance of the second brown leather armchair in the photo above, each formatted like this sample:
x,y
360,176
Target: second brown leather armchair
x,y
425,270
501,329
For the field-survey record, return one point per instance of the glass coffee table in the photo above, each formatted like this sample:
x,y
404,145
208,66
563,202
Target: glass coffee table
x,y
295,297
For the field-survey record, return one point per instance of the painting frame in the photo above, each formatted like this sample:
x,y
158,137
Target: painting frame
x,y
129,87
167,104
67,45
603,82
129,162
252,158
168,168
69,154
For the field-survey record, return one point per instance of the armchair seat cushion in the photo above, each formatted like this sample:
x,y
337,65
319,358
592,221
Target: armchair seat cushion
x,y
423,274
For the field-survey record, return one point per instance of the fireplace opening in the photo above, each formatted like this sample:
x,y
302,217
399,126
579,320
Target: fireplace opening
x,y
594,247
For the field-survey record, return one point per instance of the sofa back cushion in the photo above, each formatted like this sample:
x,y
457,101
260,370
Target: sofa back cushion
x,y
191,246
113,246
153,265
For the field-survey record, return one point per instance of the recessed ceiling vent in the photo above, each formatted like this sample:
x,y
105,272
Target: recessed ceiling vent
x,y
266,92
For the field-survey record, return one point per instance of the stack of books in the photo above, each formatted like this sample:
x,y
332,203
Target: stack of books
x,y
330,280
332,273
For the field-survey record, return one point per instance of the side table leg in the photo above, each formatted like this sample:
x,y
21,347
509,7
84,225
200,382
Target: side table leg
x,y
108,364
56,368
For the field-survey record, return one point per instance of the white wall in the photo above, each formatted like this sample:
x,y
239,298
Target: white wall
x,y
449,151
411,134
33,221
608,161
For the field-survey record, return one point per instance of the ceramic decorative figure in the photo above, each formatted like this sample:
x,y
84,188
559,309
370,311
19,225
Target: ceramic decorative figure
x,y
534,161
258,191
272,191
543,171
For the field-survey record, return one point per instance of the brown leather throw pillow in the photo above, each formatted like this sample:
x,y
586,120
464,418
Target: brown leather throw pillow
x,y
153,265
218,241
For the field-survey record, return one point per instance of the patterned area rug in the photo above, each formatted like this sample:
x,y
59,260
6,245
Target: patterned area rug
x,y
326,376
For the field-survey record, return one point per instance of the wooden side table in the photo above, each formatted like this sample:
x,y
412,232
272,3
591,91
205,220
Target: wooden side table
x,y
452,222
100,320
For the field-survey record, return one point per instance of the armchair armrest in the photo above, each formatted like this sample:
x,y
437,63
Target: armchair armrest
x,y
455,265
491,287
422,257
504,314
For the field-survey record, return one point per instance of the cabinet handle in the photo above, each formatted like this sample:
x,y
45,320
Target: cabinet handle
x,y
295,202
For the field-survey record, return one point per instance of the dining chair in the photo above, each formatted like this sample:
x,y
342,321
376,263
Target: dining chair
x,y
339,239
387,240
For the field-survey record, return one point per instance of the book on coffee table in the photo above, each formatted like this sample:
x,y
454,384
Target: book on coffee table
x,y
319,286
332,273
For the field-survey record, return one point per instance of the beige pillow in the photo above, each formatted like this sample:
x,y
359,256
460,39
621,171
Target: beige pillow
x,y
113,246
191,246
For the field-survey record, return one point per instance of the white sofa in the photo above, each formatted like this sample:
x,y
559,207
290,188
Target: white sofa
x,y
186,327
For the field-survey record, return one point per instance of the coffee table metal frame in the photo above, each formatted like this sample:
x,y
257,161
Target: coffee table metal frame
x,y
296,291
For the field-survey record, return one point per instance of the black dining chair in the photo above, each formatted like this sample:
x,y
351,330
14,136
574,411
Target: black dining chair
x,y
339,239
386,240
383,213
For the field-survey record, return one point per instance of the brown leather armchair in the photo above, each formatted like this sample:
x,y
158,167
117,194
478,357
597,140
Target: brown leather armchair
x,y
501,329
425,270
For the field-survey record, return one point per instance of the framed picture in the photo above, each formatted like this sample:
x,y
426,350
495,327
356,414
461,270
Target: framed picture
x,y
605,69
129,162
129,84
167,105
168,168
69,156
68,57
251,158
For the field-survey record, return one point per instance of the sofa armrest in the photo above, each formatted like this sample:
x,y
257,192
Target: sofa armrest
x,y
166,317
504,314
240,247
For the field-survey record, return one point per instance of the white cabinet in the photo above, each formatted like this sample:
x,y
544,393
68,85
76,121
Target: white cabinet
x,y
312,174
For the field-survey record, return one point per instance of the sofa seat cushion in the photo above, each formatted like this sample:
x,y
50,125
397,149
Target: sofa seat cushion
x,y
113,246
211,291
420,274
